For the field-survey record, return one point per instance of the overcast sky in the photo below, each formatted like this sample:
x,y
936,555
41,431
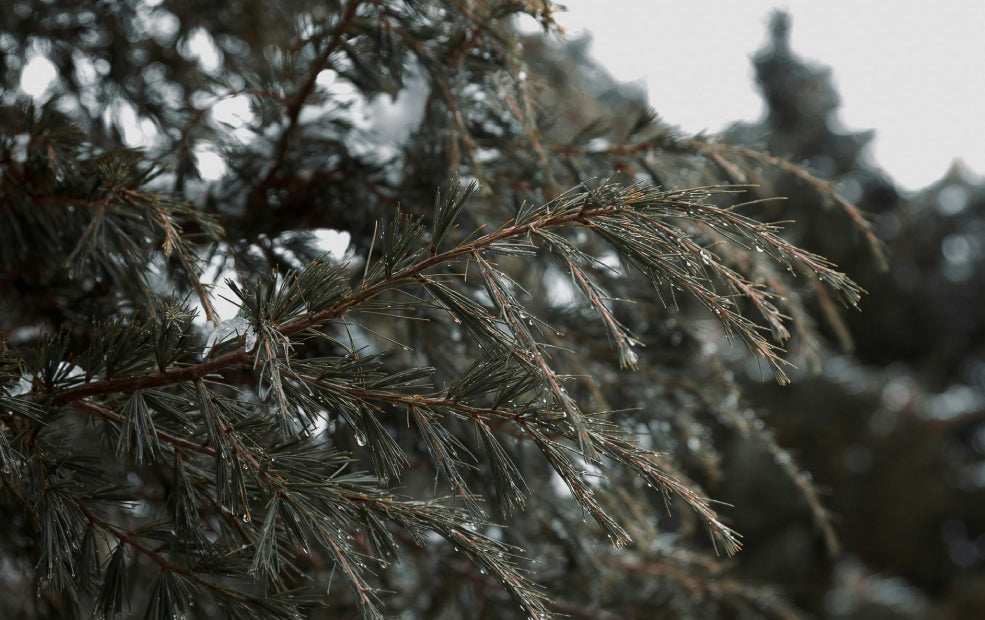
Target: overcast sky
x,y
912,70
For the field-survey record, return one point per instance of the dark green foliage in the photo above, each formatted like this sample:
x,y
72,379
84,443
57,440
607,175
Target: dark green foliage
x,y
503,383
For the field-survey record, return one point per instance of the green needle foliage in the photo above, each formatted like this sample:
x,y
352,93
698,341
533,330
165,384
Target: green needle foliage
x,y
500,403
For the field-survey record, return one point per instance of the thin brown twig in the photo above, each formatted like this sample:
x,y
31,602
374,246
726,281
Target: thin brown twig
x,y
296,104
131,540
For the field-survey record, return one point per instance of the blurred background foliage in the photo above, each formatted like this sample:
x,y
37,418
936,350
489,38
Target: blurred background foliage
x,y
891,427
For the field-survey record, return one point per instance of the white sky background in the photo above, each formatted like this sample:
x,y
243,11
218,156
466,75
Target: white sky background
x,y
912,70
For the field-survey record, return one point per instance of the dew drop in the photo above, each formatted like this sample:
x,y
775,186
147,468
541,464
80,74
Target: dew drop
x,y
360,439
759,248
631,357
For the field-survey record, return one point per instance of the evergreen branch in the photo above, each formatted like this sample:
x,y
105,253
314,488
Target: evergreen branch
x,y
657,248
701,586
749,425
296,104
288,492
877,247
417,516
714,151
113,416
126,385
524,113
562,607
490,555
415,400
583,492
441,83
624,340
643,463
174,242
830,313
444,449
311,321
133,541
722,307
531,352
621,451
159,434
567,210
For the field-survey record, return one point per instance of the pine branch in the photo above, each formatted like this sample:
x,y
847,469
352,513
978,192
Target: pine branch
x,y
876,245
223,592
716,151
700,587
278,313
575,211
297,102
595,209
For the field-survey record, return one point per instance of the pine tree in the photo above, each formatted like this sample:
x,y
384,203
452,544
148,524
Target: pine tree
x,y
502,401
